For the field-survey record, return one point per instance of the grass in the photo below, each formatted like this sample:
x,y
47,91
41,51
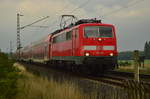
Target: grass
x,y
36,87
8,78
147,61
32,86
130,67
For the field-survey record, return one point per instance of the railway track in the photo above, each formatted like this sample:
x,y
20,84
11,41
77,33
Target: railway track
x,y
128,75
114,78
106,80
119,81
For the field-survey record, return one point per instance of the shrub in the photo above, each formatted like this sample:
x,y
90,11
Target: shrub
x,y
8,77
124,63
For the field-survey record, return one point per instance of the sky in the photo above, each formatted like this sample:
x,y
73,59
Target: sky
x,y
130,17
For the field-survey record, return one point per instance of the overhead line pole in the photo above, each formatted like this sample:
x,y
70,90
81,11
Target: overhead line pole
x,y
18,33
19,28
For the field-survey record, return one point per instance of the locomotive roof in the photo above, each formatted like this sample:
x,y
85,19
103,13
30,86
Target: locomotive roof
x,y
82,21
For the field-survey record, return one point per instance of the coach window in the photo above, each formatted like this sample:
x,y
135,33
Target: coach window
x,y
68,35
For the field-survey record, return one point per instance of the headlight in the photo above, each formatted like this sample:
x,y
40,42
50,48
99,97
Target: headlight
x,y
89,47
99,39
87,54
111,54
108,47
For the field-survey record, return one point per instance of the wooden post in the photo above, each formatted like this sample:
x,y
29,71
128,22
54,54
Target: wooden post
x,y
136,65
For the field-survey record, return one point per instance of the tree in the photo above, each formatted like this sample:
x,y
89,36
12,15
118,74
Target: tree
x,y
147,50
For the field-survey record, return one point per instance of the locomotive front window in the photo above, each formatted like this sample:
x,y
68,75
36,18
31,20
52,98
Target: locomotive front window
x,y
105,31
97,31
91,31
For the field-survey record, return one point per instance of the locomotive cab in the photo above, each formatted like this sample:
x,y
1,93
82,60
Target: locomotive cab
x,y
99,45
99,40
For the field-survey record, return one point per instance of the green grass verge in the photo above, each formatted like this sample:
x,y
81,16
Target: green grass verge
x,y
142,71
131,61
147,61
8,77
127,66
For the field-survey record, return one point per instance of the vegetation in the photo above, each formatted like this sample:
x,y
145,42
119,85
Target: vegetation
x,y
124,63
36,87
128,55
8,78
128,66
128,69
147,50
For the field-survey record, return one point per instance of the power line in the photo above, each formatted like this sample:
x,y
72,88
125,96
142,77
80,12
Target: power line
x,y
80,6
34,22
105,15
127,6
54,22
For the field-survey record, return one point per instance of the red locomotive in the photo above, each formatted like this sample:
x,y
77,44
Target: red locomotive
x,y
88,43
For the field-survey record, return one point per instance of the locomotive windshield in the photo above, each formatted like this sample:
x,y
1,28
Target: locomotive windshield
x,y
97,31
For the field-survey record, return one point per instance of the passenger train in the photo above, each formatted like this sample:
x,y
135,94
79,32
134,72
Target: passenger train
x,y
88,44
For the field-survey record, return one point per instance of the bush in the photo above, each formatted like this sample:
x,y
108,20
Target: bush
x,y
124,63
8,77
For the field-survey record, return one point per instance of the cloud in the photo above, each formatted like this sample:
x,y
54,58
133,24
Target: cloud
x,y
130,22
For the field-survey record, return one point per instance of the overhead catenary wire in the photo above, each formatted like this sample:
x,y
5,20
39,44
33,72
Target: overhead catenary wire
x,y
53,24
105,15
37,26
80,6
55,21
34,22
130,4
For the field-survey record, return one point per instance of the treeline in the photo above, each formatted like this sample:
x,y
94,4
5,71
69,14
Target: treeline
x,y
128,55
147,50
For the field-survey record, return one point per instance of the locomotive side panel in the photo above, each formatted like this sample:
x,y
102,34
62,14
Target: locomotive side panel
x,y
67,45
62,46
76,42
